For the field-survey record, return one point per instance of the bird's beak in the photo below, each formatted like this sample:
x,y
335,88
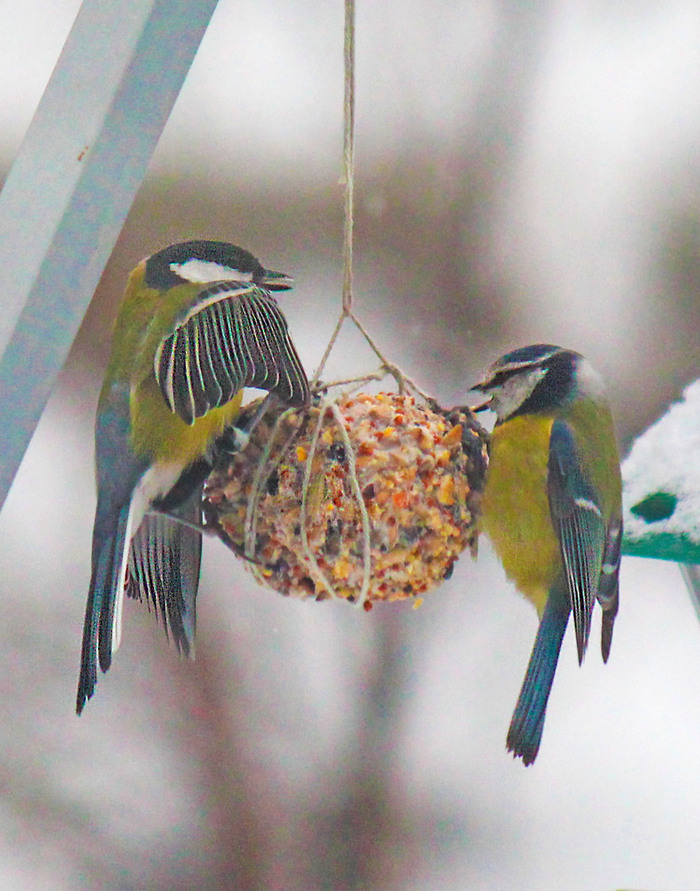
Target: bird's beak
x,y
276,281
481,406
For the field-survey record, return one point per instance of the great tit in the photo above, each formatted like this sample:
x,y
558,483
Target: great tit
x,y
197,323
552,507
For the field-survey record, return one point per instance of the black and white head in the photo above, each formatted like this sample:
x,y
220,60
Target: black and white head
x,y
205,262
536,379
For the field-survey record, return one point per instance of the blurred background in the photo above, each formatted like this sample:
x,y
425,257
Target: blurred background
x,y
525,172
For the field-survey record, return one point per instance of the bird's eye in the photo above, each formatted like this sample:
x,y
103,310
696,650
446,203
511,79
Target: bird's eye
x,y
499,378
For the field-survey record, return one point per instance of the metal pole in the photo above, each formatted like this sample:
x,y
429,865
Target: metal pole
x,y
72,184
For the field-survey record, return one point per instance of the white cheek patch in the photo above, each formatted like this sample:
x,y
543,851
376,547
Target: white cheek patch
x,y
205,271
513,392
589,381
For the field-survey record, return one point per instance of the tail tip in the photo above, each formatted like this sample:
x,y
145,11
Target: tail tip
x,y
606,639
519,749
581,646
84,694
86,686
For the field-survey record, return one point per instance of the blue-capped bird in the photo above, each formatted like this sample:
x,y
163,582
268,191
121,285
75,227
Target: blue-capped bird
x,y
197,324
552,507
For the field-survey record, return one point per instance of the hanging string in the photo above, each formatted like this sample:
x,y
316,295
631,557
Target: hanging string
x,y
328,392
348,152
348,179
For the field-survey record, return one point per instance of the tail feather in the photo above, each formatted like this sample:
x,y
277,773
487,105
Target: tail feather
x,y
607,631
525,732
164,568
103,604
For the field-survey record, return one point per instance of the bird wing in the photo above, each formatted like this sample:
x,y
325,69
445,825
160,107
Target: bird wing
x,y
609,589
580,527
232,336
164,564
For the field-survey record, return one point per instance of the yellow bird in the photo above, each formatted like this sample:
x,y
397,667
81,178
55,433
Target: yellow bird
x,y
197,324
552,507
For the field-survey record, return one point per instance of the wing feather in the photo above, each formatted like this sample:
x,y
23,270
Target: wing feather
x,y
164,571
580,527
232,336
609,590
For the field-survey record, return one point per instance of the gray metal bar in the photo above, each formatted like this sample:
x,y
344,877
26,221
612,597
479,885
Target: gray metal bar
x,y
72,184
691,577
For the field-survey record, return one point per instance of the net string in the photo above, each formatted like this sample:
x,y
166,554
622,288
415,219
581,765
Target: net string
x,y
330,392
348,180
348,153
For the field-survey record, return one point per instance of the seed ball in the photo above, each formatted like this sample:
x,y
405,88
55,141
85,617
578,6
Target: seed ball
x,y
378,510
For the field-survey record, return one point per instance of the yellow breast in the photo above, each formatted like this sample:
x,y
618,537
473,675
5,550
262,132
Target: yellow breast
x,y
160,434
146,317
515,507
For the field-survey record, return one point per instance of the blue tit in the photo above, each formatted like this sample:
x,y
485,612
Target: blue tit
x,y
197,324
552,507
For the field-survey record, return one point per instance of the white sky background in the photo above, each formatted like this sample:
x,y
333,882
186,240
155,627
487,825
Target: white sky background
x,y
611,133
